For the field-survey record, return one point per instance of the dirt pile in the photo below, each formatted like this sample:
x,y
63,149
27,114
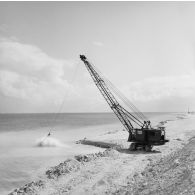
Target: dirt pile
x,y
70,165
30,188
99,144
89,157
173,174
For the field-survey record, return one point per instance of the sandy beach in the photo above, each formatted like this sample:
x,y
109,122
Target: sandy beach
x,y
168,169
79,79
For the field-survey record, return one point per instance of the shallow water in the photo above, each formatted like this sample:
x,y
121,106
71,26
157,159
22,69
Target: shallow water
x,y
21,135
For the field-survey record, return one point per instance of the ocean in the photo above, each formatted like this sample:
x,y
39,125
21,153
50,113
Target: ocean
x,y
22,161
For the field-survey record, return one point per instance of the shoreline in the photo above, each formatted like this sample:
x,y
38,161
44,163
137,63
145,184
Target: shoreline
x,y
108,172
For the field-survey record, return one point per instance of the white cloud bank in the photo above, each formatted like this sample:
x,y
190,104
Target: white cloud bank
x,y
159,88
26,72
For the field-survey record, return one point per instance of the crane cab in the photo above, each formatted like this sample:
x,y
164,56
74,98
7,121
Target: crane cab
x,y
146,138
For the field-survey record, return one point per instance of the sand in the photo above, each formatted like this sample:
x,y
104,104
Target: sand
x,y
173,174
168,169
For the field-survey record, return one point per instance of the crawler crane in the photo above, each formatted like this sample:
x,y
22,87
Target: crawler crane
x,y
141,134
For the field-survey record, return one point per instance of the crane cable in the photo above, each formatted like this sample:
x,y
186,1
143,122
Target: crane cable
x,y
65,95
127,102
122,97
139,114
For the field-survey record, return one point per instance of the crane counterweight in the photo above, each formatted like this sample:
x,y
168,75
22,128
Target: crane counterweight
x,y
141,133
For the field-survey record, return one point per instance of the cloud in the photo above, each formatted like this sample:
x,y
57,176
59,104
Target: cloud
x,y
98,43
159,88
26,72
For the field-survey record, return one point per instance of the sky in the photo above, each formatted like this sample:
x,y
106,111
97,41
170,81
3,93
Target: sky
x,y
146,49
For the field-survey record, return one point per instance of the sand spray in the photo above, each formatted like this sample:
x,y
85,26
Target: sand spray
x,y
48,141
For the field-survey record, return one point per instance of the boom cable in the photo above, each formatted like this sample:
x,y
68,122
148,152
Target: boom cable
x,y
65,95
125,100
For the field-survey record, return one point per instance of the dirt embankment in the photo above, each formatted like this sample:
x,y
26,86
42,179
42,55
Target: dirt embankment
x,y
68,168
173,174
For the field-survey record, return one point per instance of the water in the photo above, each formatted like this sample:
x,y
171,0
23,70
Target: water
x,y
21,160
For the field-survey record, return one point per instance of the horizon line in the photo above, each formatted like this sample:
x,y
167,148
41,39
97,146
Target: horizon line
x,y
87,112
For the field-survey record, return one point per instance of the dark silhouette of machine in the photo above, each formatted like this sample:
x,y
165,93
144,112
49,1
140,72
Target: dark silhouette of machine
x,y
141,134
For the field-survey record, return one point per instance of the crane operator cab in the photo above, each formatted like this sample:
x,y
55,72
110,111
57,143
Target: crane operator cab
x,y
146,138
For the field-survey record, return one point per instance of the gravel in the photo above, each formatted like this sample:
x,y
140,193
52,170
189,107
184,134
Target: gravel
x,y
173,174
